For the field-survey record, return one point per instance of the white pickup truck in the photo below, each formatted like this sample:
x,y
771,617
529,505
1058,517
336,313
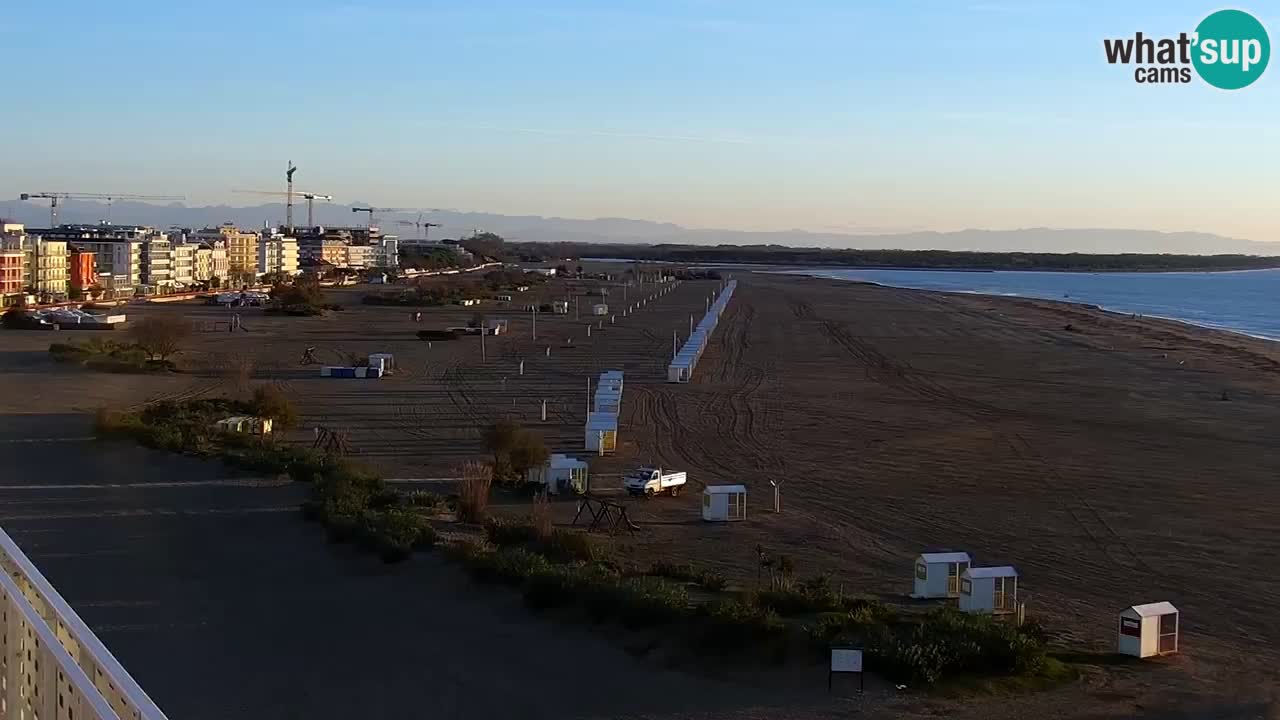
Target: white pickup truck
x,y
650,481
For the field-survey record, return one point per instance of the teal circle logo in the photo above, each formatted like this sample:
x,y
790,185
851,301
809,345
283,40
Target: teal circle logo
x,y
1231,49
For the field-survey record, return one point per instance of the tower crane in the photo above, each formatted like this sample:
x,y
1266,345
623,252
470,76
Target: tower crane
x,y
308,196
372,210
54,197
425,227
288,203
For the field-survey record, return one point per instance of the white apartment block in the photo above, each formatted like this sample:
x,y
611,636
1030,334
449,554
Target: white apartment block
x,y
184,265
157,263
278,253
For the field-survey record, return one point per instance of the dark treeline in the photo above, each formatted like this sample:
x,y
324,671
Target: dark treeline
x,y
910,259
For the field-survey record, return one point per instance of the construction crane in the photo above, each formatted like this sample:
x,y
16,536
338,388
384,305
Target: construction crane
x,y
372,210
310,198
425,227
288,203
54,197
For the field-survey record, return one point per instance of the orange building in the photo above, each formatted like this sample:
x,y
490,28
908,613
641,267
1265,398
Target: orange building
x,y
11,262
84,274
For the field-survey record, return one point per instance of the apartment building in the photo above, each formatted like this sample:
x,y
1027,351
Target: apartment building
x,y
278,253
11,283
387,252
44,261
241,247
157,263
360,256
82,272
184,265
117,251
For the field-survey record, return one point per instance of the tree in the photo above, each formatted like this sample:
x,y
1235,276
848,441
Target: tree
x,y
160,337
514,449
215,282
271,402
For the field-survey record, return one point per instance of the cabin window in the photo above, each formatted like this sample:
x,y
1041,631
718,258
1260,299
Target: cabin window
x,y
922,572
966,586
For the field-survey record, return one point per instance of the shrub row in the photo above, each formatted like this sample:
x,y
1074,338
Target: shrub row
x,y
355,505
948,642
558,544
600,593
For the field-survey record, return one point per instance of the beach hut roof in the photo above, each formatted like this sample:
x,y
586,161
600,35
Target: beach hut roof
x,y
991,572
945,557
1154,609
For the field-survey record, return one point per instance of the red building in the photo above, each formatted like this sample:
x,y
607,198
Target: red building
x,y
83,272
10,273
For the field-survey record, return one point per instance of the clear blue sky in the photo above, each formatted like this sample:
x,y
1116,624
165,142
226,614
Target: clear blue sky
x,y
814,114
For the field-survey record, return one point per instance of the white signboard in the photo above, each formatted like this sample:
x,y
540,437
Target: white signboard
x,y
844,660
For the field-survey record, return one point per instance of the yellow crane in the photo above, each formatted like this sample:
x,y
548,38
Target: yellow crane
x,y
54,197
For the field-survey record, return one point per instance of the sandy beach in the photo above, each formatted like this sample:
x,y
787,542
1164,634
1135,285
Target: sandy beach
x,y
1113,460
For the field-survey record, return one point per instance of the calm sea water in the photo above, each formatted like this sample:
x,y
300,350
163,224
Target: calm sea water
x,y
1246,302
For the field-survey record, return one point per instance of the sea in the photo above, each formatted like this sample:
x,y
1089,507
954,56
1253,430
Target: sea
x,y
1245,302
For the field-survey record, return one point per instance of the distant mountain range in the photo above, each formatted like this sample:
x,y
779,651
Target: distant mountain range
x,y
619,230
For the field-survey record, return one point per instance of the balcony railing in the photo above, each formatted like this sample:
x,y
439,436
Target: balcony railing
x,y
52,664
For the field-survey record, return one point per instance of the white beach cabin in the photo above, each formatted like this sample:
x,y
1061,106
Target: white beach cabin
x,y
601,433
386,361
938,574
989,590
560,473
723,503
1150,629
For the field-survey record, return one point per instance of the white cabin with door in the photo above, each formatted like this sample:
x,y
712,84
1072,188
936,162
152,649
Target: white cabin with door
x,y
989,590
938,574
601,433
724,503
560,473
1147,630
385,361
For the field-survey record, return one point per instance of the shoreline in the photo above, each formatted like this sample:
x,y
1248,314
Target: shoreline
x,y
1078,305
805,267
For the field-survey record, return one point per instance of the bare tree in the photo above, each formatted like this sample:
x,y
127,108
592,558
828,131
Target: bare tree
x,y
160,337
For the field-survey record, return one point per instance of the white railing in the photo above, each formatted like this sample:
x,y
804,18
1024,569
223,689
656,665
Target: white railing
x,y
51,663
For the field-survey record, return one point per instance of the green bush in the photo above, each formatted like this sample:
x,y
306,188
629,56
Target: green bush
x,y
675,571
643,602
395,533
423,499
555,587
797,601
561,545
507,532
948,642
733,625
712,580
569,545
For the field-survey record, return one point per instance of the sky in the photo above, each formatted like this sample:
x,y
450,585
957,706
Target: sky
x,y
822,115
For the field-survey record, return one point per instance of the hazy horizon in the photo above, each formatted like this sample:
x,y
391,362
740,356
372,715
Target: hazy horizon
x,y
743,116
536,228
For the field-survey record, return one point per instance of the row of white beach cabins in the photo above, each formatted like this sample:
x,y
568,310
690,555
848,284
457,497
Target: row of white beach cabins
x,y
686,358
601,433
1143,631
